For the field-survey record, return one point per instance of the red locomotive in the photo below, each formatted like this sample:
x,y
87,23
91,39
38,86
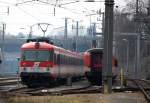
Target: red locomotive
x,y
93,59
42,63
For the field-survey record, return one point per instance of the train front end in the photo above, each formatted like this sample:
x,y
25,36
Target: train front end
x,y
36,64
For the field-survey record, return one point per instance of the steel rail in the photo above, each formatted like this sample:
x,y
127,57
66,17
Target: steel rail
x,y
146,94
10,78
4,83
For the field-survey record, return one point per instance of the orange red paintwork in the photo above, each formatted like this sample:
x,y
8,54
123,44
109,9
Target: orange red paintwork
x,y
32,63
87,60
42,46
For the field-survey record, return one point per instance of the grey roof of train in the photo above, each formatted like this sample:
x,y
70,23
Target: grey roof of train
x,y
94,49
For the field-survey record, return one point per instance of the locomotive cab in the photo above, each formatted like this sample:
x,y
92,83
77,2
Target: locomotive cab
x,y
36,63
43,64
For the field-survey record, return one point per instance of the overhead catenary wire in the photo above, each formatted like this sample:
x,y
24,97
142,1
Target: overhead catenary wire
x,y
70,2
21,9
8,3
24,2
59,5
75,11
29,14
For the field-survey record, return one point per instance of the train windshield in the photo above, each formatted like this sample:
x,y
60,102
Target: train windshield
x,y
40,55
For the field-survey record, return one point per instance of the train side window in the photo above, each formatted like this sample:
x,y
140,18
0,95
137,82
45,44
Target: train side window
x,y
76,61
66,59
80,61
63,56
22,56
70,60
54,58
73,61
58,58
62,59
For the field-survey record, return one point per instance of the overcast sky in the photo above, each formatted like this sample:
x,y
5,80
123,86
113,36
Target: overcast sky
x,y
23,15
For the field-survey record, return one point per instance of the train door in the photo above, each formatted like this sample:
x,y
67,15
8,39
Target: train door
x,y
96,59
96,67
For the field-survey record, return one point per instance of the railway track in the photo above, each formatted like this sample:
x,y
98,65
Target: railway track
x,y
10,78
77,88
82,90
9,81
143,85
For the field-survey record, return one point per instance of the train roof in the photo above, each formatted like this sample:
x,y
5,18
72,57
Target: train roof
x,y
32,45
40,39
47,46
95,50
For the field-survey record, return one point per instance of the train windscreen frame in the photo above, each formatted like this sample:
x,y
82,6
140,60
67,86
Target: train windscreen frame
x,y
37,55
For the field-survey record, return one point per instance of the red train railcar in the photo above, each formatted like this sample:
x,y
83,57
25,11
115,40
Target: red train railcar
x,y
44,63
93,60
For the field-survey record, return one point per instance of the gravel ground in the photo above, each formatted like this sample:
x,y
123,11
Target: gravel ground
x,y
82,98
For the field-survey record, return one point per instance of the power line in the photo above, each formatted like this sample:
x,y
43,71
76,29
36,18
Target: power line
x,y
70,2
28,14
6,3
60,6
24,2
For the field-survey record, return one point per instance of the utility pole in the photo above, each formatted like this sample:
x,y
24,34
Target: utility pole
x,y
137,8
138,66
103,25
139,24
77,34
94,29
127,56
66,33
3,37
148,9
103,22
94,44
3,41
128,47
77,31
30,34
108,44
